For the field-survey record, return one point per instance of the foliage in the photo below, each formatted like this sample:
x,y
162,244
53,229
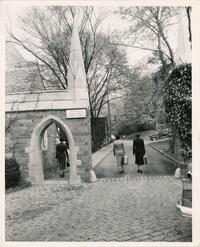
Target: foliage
x,y
98,128
12,173
138,97
149,28
157,107
178,105
125,129
128,129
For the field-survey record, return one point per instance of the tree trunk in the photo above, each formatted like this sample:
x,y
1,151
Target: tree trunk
x,y
188,10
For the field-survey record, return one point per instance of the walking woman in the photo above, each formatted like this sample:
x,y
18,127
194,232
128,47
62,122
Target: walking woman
x,y
119,151
61,155
139,151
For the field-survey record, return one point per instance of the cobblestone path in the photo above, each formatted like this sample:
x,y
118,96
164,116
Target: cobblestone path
x,y
112,209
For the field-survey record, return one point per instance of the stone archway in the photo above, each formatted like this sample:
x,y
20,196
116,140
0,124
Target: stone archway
x,y
35,152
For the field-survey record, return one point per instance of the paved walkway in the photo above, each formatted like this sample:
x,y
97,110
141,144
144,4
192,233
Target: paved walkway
x,y
101,154
158,164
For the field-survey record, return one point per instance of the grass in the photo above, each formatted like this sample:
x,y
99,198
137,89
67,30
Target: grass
x,y
164,146
17,188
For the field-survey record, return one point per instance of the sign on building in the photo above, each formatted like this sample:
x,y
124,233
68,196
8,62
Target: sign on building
x,y
76,113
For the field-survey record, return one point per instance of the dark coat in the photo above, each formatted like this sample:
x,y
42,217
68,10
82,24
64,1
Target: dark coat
x,y
139,150
61,154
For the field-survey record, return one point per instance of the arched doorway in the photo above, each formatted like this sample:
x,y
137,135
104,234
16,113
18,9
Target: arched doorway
x,y
36,175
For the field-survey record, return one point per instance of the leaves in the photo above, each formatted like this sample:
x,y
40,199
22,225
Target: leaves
x,y
178,104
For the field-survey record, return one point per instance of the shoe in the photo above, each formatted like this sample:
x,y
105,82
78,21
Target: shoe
x,y
122,171
140,171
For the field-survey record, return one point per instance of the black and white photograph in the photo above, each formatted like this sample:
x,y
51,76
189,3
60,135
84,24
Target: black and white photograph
x,y
98,123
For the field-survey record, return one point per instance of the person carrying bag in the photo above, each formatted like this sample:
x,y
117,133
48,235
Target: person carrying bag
x,y
139,152
119,152
125,160
146,161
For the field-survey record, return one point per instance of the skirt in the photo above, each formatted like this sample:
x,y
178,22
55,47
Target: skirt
x,y
139,160
62,163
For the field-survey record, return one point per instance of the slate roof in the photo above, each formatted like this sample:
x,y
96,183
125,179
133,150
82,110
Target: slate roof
x,y
23,80
22,75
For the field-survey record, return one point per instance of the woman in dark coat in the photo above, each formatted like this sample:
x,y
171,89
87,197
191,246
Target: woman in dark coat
x,y
139,151
61,155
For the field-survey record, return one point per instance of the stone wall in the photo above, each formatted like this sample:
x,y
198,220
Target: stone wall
x,y
18,137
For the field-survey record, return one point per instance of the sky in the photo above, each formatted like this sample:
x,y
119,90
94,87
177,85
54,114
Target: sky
x,y
113,22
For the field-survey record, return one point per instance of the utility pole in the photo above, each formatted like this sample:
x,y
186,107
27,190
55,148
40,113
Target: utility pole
x,y
109,119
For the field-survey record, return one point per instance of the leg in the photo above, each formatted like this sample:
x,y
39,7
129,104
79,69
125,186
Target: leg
x,y
119,163
62,174
62,167
122,164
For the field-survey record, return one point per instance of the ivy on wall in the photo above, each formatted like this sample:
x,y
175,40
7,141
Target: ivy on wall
x,y
178,105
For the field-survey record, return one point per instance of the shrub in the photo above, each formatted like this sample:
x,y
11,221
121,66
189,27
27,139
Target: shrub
x,y
98,126
125,130
178,105
12,173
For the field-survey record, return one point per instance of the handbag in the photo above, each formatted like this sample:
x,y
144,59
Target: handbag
x,y
146,162
68,164
125,160
177,173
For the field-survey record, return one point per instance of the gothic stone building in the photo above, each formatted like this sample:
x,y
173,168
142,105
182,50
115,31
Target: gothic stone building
x,y
35,113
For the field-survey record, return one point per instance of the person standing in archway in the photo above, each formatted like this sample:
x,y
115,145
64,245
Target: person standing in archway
x,y
139,151
61,155
119,151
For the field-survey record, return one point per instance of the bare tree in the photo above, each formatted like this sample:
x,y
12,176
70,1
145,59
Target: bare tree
x,y
109,74
149,28
48,34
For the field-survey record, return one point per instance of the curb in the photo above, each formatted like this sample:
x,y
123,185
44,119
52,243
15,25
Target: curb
x,y
102,158
160,140
166,155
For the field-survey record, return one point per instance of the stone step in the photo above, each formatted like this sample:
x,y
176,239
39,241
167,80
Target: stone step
x,y
138,178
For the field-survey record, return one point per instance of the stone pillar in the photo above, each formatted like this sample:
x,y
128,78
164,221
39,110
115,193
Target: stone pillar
x,y
76,75
74,177
77,84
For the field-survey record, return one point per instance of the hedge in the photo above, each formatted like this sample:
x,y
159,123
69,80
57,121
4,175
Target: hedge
x,y
178,105
12,173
